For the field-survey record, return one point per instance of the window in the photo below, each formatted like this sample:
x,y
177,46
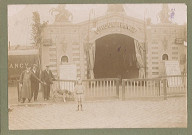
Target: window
x,y
155,62
154,52
75,43
52,55
52,49
175,48
183,59
154,42
175,58
174,52
76,59
154,58
76,54
165,57
155,73
53,60
155,47
155,67
64,59
76,48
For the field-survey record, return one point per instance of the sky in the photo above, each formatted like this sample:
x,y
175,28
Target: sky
x,y
20,16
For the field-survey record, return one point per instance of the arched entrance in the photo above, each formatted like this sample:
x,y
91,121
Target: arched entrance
x,y
115,56
165,57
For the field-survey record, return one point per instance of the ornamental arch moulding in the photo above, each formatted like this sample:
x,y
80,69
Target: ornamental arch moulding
x,y
130,27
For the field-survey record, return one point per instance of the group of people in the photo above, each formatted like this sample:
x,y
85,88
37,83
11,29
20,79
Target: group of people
x,y
29,83
30,79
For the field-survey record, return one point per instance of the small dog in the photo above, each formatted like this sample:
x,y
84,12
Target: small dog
x,y
65,94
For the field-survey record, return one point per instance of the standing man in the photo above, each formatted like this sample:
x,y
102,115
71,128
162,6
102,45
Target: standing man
x,y
47,78
34,82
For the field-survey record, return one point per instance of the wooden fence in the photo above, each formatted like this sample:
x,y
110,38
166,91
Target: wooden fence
x,y
63,85
174,85
95,88
140,88
127,88
155,87
102,88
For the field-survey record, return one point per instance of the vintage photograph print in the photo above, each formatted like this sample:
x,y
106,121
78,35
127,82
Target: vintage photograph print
x,y
82,66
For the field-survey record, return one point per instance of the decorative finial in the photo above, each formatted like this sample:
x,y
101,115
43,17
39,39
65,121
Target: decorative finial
x,y
164,14
63,15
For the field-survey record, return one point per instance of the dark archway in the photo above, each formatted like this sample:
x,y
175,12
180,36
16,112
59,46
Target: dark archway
x,y
165,57
115,57
64,59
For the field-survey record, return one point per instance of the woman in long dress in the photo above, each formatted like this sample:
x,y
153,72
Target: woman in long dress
x,y
25,81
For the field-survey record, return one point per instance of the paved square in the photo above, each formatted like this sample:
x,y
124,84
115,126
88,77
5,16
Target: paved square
x,y
101,114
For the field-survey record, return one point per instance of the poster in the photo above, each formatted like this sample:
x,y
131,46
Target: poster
x,y
68,73
172,68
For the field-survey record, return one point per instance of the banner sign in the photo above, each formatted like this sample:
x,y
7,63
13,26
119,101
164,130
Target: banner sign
x,y
17,64
172,68
118,25
68,72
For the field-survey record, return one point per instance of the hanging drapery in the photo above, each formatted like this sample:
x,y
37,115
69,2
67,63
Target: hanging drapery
x,y
139,49
90,56
91,59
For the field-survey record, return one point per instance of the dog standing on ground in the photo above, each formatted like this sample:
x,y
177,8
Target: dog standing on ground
x,y
65,94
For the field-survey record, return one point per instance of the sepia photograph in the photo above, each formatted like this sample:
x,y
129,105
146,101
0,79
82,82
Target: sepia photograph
x,y
97,66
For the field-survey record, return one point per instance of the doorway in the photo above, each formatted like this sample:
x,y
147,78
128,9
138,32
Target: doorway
x,y
115,57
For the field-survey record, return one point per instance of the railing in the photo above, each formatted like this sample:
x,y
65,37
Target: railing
x,y
94,88
129,88
174,85
63,85
140,88
155,87
108,87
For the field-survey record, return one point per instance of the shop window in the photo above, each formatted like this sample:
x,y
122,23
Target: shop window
x,y
165,57
64,59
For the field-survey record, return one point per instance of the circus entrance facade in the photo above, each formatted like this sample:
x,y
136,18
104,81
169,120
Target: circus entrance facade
x,y
111,46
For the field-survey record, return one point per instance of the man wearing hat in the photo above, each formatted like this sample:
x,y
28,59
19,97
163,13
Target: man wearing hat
x,y
47,78
34,82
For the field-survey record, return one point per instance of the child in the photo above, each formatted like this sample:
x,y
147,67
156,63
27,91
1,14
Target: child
x,y
79,91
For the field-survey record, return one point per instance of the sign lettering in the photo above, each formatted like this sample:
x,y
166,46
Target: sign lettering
x,y
17,65
116,24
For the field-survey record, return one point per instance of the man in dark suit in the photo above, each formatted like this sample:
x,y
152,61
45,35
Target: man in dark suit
x,y
34,82
47,78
